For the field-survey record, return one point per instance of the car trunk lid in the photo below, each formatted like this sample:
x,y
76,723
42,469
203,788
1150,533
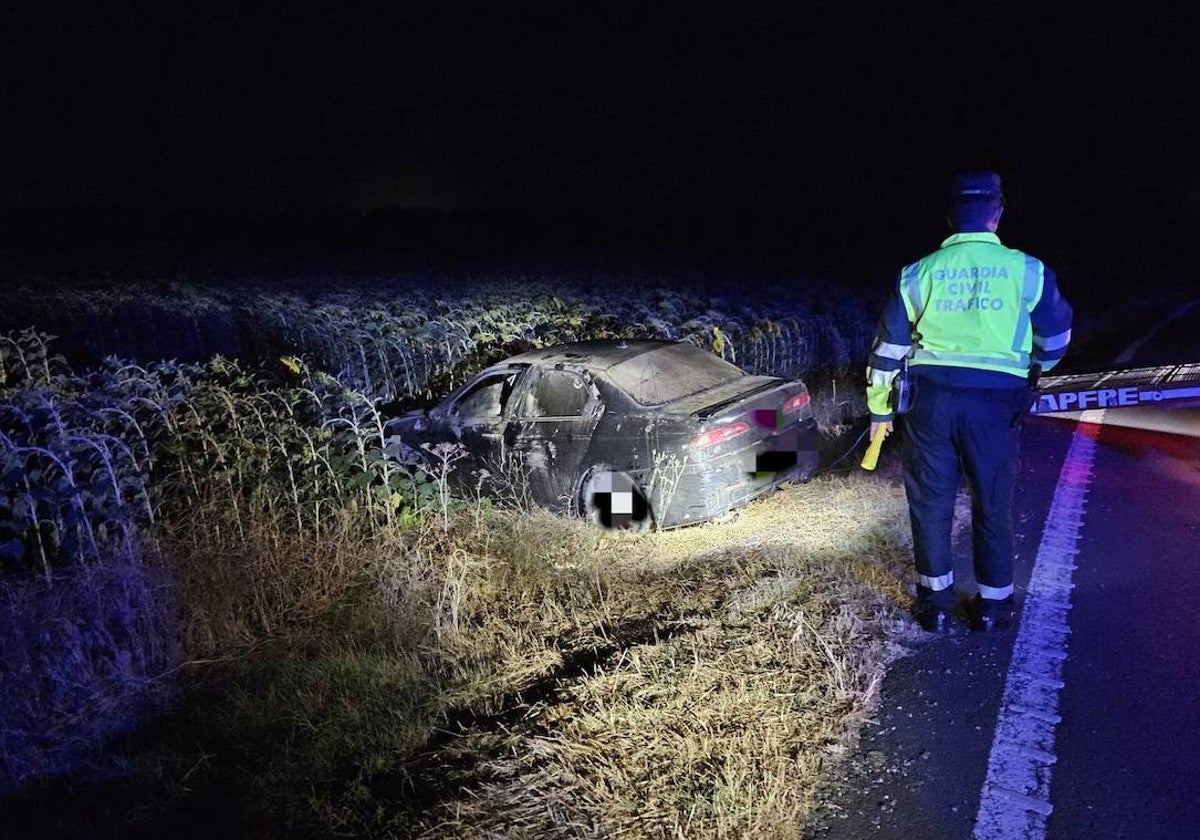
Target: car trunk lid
x,y
733,399
752,411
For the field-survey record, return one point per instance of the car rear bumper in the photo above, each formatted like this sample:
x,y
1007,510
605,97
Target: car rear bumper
x,y
705,490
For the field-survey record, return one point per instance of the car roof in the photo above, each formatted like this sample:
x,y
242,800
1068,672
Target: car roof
x,y
599,354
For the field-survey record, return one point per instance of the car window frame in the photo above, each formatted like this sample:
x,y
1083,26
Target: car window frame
x,y
449,408
593,407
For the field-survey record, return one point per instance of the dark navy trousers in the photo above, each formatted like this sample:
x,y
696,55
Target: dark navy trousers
x,y
952,430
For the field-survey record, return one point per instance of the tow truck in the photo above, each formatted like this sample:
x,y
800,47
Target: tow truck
x,y
1164,387
1156,399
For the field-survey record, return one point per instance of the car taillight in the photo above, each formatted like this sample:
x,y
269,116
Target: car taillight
x,y
719,434
796,403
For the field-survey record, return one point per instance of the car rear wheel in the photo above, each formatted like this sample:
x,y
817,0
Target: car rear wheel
x,y
612,498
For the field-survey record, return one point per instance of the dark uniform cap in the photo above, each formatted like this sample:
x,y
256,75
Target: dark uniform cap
x,y
969,185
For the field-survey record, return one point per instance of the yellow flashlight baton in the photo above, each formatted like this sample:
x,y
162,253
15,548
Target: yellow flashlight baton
x,y
872,457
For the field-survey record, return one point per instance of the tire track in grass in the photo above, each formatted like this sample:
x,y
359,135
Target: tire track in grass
x,y
445,770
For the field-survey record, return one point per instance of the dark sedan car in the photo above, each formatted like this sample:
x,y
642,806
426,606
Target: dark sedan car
x,y
629,433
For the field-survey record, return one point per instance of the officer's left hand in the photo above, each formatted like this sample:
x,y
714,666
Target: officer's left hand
x,y
876,426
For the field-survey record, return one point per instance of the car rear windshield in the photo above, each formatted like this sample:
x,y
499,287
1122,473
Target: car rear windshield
x,y
671,373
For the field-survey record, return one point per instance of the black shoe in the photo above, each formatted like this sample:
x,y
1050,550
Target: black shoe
x,y
936,619
988,616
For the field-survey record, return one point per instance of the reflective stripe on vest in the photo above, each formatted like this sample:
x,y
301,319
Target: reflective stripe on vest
x,y
969,303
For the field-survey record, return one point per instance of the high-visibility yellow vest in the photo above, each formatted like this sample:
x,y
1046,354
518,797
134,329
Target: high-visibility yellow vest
x,y
969,304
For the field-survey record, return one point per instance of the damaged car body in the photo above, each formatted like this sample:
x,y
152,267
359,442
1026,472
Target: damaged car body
x,y
628,433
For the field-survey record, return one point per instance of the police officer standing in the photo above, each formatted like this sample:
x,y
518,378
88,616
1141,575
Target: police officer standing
x,y
970,321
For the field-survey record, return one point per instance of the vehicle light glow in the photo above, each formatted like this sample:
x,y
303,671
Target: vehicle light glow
x,y
796,403
720,434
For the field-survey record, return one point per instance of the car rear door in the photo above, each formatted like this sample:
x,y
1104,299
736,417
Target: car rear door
x,y
551,429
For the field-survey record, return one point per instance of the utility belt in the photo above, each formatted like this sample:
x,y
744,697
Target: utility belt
x,y
905,388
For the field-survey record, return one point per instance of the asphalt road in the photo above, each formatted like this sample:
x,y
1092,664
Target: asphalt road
x,y
1129,744
1126,752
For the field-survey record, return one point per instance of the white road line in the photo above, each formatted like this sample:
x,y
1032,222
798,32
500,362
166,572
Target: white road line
x,y
1015,800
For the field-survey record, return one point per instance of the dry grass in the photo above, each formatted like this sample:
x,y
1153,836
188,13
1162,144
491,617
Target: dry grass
x,y
510,674
777,628
87,654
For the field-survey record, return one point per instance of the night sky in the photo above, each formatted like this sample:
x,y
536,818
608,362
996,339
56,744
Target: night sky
x,y
836,123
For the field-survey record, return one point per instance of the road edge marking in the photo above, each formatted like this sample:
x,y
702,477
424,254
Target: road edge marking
x,y
1014,802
